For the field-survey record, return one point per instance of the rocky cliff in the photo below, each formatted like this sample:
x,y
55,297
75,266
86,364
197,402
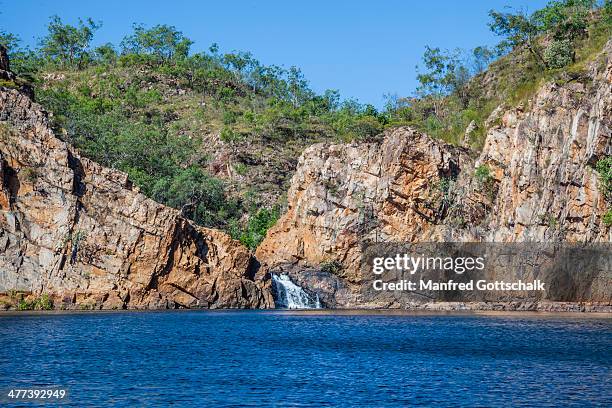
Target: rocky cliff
x,y
83,235
534,181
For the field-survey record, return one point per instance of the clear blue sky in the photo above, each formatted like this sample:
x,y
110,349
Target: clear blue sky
x,y
362,48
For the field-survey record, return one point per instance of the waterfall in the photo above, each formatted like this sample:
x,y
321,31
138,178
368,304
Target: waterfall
x,y
291,296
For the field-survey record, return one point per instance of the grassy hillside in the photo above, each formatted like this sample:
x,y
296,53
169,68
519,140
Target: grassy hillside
x,y
218,135
216,138
511,77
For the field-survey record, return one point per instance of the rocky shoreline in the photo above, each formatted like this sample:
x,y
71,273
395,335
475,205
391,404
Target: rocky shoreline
x,y
512,308
522,306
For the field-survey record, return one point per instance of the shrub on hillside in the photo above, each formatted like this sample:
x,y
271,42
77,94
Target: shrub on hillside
x,y
559,54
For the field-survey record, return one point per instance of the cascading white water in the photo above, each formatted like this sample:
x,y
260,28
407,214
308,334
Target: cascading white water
x,y
291,296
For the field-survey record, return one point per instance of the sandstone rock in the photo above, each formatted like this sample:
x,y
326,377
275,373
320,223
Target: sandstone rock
x,y
411,188
469,131
83,234
342,195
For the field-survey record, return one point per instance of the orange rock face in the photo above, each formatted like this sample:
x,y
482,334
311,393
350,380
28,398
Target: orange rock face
x,y
344,195
537,183
83,234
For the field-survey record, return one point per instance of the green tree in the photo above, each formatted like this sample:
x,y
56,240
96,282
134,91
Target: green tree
x,y
66,44
482,57
242,63
161,41
324,104
564,21
106,54
446,74
9,40
517,29
604,168
257,226
559,54
607,11
298,90
197,195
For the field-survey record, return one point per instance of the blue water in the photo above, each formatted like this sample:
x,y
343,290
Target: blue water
x,y
195,358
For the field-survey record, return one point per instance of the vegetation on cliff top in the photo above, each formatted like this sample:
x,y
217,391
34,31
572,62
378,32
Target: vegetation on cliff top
x,y
217,136
457,95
